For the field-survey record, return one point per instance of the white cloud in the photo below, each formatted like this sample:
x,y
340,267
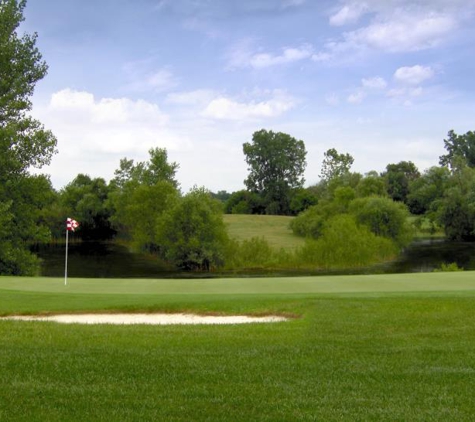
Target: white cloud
x,y
349,13
394,27
229,109
404,33
356,97
94,133
243,55
143,77
413,75
374,83
197,97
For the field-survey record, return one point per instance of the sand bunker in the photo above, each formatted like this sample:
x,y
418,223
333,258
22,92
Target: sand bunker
x,y
152,319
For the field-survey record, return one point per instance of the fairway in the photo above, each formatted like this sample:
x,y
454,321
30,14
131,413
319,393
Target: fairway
x,y
356,348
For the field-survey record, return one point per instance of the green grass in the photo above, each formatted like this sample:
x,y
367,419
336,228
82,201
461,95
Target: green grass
x,y
362,348
274,228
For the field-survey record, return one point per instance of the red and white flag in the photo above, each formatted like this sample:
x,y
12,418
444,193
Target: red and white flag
x,y
71,225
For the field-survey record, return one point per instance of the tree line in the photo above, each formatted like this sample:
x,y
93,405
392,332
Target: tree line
x,y
345,213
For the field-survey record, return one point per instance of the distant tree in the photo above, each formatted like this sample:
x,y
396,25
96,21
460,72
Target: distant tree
x,y
244,202
398,177
221,195
86,199
276,165
459,146
156,169
456,210
192,234
24,144
335,164
372,184
425,190
301,199
384,217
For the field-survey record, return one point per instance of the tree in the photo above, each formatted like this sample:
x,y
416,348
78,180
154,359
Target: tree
x,y
456,210
335,164
398,177
24,143
87,200
459,146
192,234
156,169
139,195
384,217
427,189
276,165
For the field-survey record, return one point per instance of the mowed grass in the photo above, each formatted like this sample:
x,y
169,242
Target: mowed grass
x,y
360,348
273,228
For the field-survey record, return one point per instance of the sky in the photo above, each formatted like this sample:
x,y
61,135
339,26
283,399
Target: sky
x,y
382,80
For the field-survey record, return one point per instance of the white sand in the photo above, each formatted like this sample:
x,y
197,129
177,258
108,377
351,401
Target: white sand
x,y
153,319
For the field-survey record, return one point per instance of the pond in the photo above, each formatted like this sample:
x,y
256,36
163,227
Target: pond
x,y
111,260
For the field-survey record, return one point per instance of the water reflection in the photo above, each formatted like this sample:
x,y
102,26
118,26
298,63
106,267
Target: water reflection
x,y
110,260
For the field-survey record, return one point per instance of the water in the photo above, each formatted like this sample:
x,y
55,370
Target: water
x,y
110,260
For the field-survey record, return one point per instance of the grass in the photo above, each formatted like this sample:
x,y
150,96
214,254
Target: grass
x,y
363,348
274,228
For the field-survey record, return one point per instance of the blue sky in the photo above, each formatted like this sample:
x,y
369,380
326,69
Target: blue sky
x,y
383,80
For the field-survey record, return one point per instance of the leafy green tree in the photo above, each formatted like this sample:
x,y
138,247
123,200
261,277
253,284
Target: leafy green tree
x,y
139,194
276,165
398,177
302,199
156,169
24,143
456,210
335,164
192,234
372,184
384,217
459,146
87,200
345,244
427,189
244,202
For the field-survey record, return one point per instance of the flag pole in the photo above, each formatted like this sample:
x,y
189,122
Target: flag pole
x,y
66,259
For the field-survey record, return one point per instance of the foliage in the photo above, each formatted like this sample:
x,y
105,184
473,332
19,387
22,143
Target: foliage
x,y
456,210
86,200
276,163
192,234
383,217
24,144
310,222
156,169
139,195
244,202
427,189
452,267
462,146
345,244
372,184
398,177
335,164
301,199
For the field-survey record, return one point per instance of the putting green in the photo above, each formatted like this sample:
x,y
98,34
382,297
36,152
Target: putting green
x,y
415,282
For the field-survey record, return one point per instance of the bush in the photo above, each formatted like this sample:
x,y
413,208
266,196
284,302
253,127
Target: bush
x,y
344,244
448,268
384,217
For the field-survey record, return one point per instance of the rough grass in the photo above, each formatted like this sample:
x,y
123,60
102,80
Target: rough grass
x,y
363,348
273,228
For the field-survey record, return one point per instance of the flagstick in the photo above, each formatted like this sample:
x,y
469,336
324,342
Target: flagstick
x,y
66,262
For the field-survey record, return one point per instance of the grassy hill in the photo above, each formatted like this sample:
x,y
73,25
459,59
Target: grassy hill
x,y
274,228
